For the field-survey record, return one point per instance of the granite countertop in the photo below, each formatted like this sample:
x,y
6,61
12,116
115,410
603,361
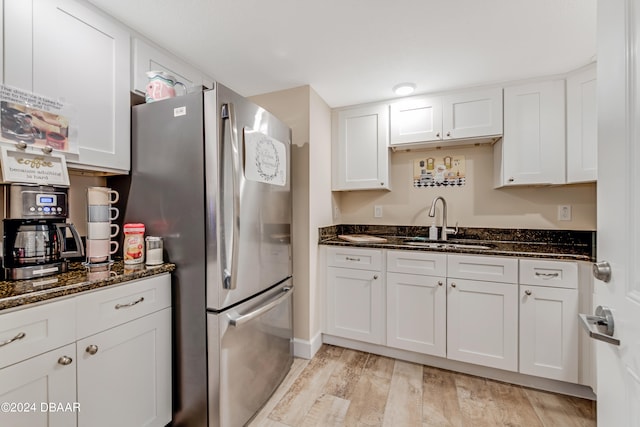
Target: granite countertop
x,y
550,244
78,278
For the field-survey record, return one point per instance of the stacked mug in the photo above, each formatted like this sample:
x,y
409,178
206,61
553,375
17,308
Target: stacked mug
x,y
100,230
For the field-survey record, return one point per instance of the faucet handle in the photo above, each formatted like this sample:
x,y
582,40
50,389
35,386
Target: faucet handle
x,y
451,230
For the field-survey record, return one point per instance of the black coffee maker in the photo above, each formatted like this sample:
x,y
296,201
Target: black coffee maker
x,y
35,231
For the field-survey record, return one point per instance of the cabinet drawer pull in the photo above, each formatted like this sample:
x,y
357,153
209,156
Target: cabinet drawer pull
x,y
138,301
348,258
453,285
92,349
547,276
527,292
439,282
17,337
375,277
65,360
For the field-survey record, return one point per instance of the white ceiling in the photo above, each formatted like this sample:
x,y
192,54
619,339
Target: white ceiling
x,y
355,51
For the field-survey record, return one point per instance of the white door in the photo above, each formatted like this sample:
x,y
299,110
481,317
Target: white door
x,y
124,374
618,367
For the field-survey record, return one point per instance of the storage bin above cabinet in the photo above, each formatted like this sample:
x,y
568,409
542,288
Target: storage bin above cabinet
x,y
453,119
146,57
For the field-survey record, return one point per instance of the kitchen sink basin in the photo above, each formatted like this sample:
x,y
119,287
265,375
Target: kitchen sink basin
x,y
424,243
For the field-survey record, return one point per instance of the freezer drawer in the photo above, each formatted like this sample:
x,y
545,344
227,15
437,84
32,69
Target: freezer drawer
x,y
249,354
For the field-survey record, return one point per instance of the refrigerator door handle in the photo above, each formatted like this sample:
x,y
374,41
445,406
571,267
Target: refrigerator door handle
x,y
230,275
239,320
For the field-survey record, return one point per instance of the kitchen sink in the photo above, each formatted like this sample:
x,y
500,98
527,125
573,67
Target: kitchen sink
x,y
424,243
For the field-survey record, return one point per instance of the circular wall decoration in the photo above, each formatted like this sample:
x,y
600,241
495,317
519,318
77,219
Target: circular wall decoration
x,y
267,159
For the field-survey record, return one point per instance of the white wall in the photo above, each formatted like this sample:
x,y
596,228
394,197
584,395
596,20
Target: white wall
x,y
310,119
476,204
320,197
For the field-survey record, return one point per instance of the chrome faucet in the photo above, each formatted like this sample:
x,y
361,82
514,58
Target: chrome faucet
x,y
432,214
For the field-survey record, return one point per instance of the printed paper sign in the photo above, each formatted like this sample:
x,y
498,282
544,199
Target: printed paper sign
x,y
439,171
36,120
265,158
18,166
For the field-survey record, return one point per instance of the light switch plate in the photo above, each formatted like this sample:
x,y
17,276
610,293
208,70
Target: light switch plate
x,y
377,211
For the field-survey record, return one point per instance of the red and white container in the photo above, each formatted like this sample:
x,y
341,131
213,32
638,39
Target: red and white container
x,y
133,249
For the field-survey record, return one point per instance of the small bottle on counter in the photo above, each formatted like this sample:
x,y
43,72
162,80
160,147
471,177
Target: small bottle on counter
x,y
433,231
154,250
133,250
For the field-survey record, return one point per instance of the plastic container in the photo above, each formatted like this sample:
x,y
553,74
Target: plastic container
x,y
133,249
433,232
154,250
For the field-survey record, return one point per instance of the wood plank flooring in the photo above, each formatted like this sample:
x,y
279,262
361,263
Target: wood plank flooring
x,y
343,387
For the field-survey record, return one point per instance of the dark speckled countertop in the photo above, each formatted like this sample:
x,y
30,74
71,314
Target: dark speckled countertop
x,y
524,243
78,278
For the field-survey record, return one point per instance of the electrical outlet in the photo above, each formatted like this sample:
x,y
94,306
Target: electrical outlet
x,y
336,213
377,211
564,212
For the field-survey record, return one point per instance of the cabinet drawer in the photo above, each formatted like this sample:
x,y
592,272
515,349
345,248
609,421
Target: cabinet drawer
x,y
31,331
493,269
557,274
414,262
107,308
362,259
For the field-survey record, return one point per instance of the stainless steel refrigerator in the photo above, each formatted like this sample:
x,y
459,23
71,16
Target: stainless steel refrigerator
x,y
211,175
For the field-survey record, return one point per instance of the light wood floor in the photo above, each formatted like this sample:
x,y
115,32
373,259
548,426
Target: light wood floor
x,y
342,387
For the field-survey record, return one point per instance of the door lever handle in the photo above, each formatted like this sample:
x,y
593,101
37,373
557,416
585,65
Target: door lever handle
x,y
603,319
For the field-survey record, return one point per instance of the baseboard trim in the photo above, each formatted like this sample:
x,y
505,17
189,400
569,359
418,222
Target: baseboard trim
x,y
307,349
539,383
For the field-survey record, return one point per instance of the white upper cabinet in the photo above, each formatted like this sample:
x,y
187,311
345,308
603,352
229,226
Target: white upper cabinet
x,y
446,119
416,119
2,44
360,151
83,57
532,149
147,57
68,51
582,126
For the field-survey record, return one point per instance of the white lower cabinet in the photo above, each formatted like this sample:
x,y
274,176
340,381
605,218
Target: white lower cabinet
x,y
417,313
97,359
549,328
482,323
355,296
355,304
518,315
417,302
29,387
124,374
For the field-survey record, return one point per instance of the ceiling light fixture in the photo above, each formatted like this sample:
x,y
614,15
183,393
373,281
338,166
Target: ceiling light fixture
x,y
404,89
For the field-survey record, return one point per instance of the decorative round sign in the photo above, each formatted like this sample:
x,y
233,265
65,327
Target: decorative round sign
x,y
267,159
